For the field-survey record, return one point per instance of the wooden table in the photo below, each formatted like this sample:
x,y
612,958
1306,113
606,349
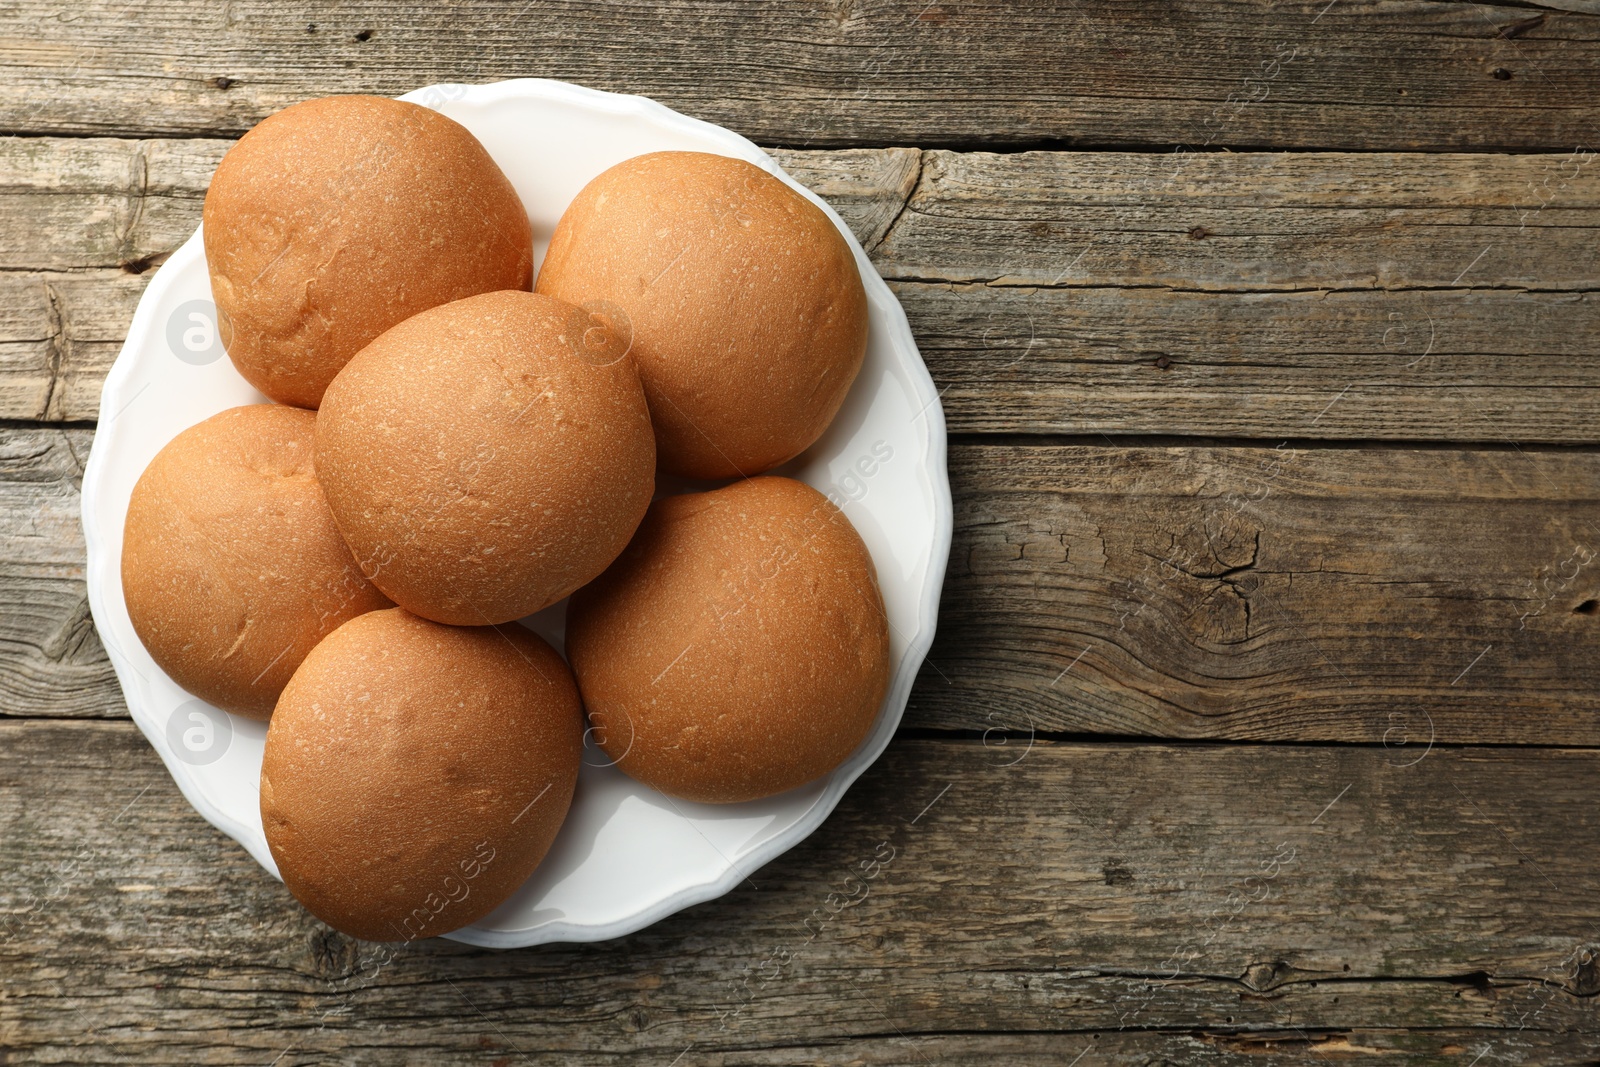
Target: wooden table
x,y
1263,725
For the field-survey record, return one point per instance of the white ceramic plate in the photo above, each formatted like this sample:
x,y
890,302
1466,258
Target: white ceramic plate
x,y
627,855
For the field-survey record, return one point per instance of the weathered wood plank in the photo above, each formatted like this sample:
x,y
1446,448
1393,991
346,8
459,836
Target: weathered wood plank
x,y
1207,904
1473,366
60,331
1388,596
1228,221
51,659
1144,1049
1488,366
1240,294
1251,593
1067,294
1252,221
71,203
1362,74
81,222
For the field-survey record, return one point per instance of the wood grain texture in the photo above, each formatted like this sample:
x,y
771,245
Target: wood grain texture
x,y
1257,295
1361,74
1263,295
87,202
60,331
1469,366
1252,221
51,659
1204,904
1395,597
1250,593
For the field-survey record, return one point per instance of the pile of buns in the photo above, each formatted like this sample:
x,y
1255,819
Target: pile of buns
x,y
453,448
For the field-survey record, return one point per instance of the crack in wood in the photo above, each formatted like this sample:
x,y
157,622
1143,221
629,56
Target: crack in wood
x,y
911,189
60,353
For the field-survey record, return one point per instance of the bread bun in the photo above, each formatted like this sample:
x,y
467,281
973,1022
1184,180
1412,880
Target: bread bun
x,y
334,219
738,648
482,462
748,317
416,774
231,566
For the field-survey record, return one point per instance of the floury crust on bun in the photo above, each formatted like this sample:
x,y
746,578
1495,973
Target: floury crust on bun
x,y
487,457
334,219
738,648
416,774
231,566
748,316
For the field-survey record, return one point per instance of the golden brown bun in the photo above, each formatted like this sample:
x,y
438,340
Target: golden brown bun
x,y
748,317
738,648
481,463
231,565
416,774
334,219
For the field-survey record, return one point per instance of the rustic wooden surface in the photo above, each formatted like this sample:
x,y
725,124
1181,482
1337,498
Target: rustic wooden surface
x,y
1437,297
1171,591
1262,723
1318,901
1348,74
